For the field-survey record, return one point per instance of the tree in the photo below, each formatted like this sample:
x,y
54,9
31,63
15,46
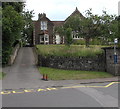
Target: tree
x,y
12,26
68,37
118,19
86,27
28,27
107,26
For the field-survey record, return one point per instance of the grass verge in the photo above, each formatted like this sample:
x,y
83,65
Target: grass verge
x,y
59,74
2,74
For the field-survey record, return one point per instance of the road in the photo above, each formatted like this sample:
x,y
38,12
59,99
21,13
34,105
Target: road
x,y
81,95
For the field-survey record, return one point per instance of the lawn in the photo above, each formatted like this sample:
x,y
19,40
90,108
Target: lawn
x,y
59,74
72,51
2,75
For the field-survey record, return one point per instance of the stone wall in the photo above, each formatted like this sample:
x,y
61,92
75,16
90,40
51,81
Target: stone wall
x,y
79,63
14,54
111,67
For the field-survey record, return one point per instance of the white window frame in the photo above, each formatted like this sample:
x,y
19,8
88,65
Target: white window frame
x,y
43,25
41,36
46,36
74,34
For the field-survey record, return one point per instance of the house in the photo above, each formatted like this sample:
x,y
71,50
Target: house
x,y
44,30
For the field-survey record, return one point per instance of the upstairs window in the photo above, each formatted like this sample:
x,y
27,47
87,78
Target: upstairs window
x,y
43,25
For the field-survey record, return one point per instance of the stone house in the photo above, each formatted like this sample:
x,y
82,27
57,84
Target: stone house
x,y
43,32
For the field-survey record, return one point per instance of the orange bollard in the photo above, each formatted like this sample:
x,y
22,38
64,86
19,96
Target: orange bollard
x,y
46,78
43,77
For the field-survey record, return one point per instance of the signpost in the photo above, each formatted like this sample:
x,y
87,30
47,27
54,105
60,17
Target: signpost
x,y
115,55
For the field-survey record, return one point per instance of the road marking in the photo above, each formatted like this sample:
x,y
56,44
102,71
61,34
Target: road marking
x,y
110,84
17,92
41,90
51,89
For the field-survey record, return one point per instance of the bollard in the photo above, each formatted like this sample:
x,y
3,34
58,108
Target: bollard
x,y
43,77
46,78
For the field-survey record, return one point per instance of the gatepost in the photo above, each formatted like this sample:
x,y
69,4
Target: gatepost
x,y
112,55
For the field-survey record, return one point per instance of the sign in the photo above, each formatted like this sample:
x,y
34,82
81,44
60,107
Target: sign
x,y
115,40
115,59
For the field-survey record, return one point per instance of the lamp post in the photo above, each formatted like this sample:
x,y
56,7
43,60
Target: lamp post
x,y
115,55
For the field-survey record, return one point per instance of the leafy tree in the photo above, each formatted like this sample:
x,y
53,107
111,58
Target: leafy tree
x,y
87,27
118,19
28,27
18,6
12,26
69,39
59,30
108,26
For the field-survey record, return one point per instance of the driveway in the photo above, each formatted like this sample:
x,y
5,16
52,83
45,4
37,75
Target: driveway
x,y
23,73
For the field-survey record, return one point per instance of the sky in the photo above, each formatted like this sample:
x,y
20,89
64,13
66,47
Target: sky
x,y
59,10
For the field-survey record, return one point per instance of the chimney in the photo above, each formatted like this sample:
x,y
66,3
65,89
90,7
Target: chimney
x,y
39,16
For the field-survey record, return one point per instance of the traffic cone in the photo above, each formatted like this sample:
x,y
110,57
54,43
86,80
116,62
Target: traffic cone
x,y
46,78
43,77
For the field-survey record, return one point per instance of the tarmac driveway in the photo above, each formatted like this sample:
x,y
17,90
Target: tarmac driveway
x,y
23,73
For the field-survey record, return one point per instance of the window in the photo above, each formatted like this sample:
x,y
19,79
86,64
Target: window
x,y
43,25
75,35
41,38
46,37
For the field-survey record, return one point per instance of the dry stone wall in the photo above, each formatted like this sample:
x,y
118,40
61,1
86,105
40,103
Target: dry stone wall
x,y
74,63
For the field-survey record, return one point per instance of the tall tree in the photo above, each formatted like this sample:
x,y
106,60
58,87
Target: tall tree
x,y
28,27
12,26
87,27
108,26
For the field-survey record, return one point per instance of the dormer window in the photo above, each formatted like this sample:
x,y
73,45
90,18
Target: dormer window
x,y
43,25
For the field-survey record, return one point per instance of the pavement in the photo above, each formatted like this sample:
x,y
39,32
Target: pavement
x,y
24,74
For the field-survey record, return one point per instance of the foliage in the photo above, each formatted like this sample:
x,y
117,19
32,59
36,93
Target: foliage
x,y
69,51
18,6
93,26
17,26
68,37
109,26
59,30
59,74
12,26
28,27
86,27
118,36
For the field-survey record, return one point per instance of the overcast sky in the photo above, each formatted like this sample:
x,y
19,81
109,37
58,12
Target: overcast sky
x,y
61,9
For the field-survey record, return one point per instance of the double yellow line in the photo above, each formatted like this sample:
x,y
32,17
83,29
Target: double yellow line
x,y
50,89
108,85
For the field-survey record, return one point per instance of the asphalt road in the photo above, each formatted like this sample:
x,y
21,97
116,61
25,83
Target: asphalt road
x,y
88,95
